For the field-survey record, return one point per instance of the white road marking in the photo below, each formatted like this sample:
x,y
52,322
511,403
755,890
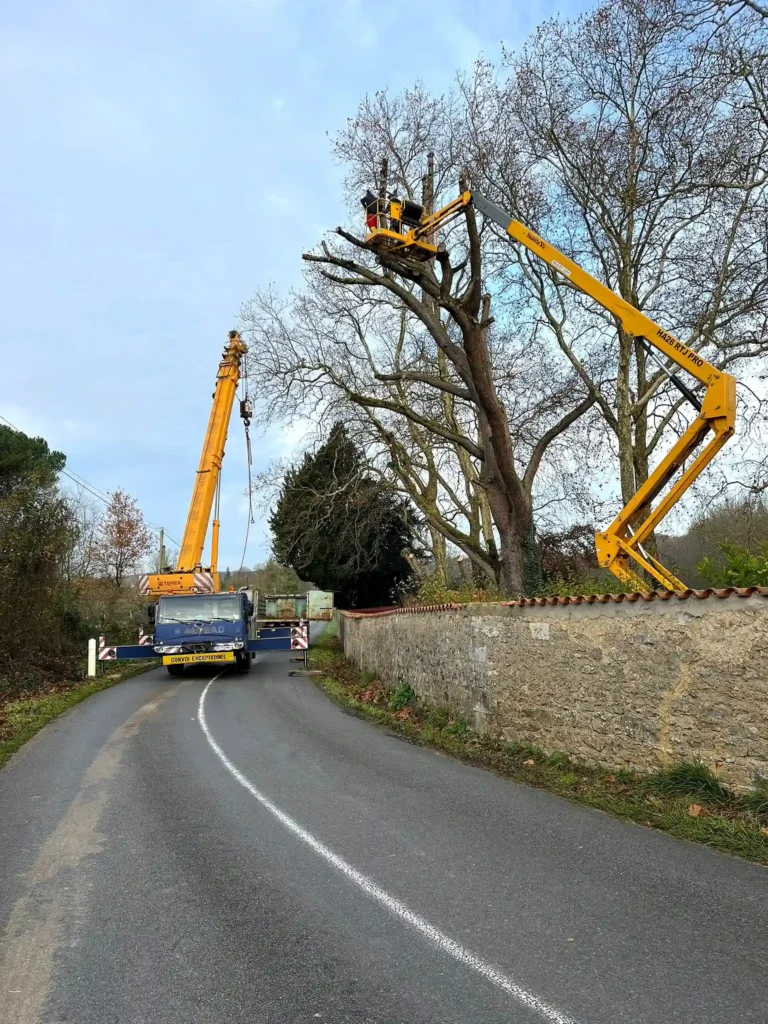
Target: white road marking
x,y
438,939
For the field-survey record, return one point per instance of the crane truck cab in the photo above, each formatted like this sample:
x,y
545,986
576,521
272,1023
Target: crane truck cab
x,y
194,629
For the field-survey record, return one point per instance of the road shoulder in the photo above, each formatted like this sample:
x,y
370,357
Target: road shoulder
x,y
685,801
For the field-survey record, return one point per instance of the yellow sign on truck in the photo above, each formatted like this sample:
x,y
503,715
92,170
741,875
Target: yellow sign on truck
x,y
191,659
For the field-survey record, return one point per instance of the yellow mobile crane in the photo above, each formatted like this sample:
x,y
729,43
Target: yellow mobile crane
x,y
191,577
404,229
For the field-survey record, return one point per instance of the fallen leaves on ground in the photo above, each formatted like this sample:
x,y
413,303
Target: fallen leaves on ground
x,y
374,693
697,811
529,761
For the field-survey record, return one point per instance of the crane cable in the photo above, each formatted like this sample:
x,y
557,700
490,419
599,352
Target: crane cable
x,y
246,410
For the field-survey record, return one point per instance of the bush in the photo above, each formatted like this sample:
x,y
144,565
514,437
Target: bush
x,y
401,698
39,606
740,569
431,591
573,586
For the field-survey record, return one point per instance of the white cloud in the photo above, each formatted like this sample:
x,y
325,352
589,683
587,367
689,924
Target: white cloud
x,y
459,38
283,203
291,436
366,35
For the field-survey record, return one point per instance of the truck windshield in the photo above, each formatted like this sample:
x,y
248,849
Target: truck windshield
x,y
200,608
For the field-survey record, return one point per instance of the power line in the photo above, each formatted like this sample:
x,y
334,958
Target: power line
x,y
92,489
84,483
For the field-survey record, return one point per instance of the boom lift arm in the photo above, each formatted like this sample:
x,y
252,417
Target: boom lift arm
x,y
622,542
190,575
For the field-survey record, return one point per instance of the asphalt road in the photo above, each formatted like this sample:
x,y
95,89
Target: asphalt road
x,y
258,855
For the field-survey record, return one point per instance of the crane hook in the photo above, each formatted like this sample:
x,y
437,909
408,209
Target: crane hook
x,y
246,410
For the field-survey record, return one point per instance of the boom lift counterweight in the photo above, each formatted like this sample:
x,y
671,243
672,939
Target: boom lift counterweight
x,y
622,542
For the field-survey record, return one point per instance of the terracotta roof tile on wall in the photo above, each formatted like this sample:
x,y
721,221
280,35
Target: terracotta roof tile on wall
x,y
653,595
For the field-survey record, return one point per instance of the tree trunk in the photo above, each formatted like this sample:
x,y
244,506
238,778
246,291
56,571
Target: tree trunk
x,y
437,543
512,566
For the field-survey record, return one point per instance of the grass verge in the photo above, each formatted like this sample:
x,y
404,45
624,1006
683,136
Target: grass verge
x,y
22,717
685,800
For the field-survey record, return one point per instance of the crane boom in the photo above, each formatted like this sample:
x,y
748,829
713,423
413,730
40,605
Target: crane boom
x,y
190,575
622,542
211,457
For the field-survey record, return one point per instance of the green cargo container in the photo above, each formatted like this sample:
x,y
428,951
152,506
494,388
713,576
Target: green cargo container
x,y
316,605
285,607
320,605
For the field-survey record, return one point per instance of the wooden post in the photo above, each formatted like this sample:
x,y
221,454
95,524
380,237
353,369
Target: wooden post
x,y
161,552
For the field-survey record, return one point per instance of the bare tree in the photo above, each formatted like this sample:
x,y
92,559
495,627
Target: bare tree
x,y
637,159
449,314
86,512
487,388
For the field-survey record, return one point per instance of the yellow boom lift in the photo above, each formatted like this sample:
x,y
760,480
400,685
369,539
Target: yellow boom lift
x,y
191,577
405,230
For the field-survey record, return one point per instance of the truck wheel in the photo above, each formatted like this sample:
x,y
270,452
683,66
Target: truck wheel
x,y
175,670
243,662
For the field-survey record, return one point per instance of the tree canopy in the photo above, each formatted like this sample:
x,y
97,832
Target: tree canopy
x,y
36,534
341,526
62,565
26,461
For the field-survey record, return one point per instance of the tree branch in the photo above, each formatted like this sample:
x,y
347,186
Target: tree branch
x,y
547,438
427,378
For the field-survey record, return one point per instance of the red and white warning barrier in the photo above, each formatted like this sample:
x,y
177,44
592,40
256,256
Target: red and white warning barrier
x,y
300,637
203,583
145,639
106,653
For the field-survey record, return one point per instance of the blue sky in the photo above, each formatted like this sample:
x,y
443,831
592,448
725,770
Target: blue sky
x,y
160,160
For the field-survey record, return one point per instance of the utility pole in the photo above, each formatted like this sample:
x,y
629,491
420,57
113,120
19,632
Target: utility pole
x,y
161,552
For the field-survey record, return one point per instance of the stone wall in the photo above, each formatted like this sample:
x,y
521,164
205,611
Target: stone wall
x,y
634,685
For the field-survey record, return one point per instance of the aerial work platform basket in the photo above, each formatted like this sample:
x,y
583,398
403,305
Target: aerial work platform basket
x,y
397,225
